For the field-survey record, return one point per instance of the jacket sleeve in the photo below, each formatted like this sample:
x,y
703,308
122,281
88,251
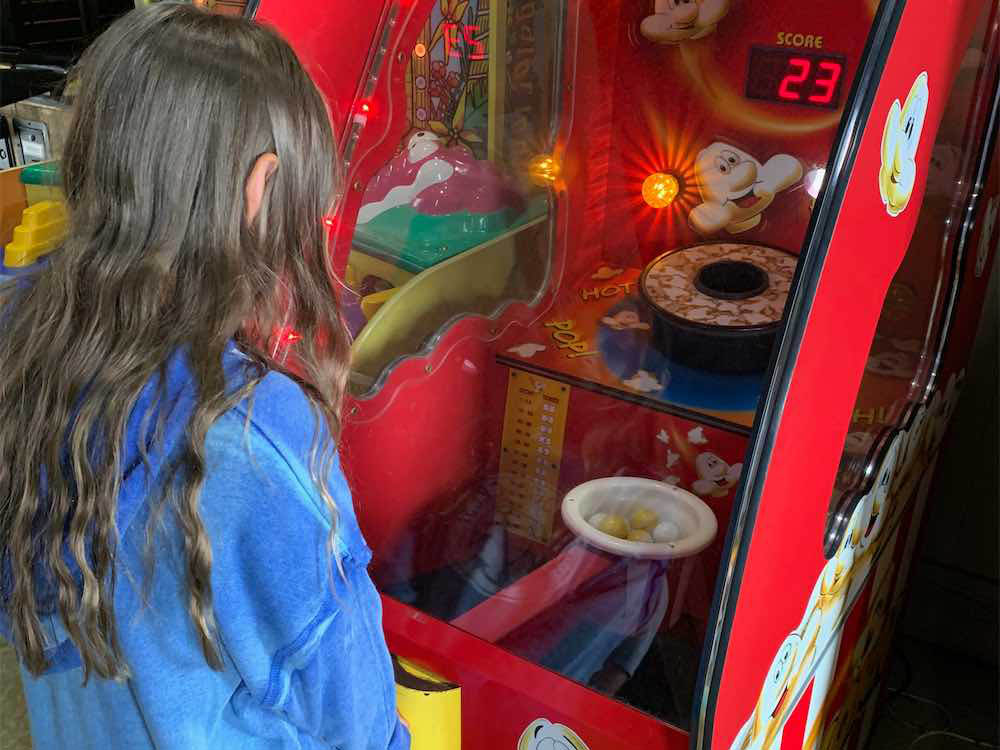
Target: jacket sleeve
x,y
301,626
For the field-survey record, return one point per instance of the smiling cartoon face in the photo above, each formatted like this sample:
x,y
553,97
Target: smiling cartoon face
x,y
735,187
776,687
674,21
542,734
880,495
715,476
900,139
725,173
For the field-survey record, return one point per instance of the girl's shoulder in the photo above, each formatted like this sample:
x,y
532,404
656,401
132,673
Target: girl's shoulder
x,y
267,448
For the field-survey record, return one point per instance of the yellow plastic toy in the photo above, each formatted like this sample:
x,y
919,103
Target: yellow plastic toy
x,y
430,706
372,302
43,226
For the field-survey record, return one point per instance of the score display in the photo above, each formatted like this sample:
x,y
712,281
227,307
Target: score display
x,y
793,76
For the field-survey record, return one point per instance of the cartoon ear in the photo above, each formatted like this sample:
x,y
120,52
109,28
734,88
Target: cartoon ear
x,y
891,134
915,106
709,218
530,733
780,172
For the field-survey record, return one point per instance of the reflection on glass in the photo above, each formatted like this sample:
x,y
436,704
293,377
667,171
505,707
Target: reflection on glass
x,y
571,265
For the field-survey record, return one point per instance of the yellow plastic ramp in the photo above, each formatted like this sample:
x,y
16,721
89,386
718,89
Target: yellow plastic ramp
x,y
43,226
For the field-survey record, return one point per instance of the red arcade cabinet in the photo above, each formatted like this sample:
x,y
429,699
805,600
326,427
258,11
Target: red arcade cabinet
x,y
660,312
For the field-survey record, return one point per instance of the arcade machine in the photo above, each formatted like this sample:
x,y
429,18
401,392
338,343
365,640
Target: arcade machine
x,y
659,313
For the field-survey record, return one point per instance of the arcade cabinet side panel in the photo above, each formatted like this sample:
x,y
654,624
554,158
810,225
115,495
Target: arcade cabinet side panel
x,y
782,605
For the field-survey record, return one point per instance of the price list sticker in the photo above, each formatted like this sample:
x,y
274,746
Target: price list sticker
x,y
531,452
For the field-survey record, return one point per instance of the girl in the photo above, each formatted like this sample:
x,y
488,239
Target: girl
x,y
181,565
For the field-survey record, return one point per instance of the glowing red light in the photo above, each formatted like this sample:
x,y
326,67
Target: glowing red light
x,y
366,108
288,336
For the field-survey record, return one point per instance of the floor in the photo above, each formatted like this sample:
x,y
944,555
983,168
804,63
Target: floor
x,y
13,713
937,700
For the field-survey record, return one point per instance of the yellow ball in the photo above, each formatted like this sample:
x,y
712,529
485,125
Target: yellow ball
x,y
660,189
614,525
643,518
639,535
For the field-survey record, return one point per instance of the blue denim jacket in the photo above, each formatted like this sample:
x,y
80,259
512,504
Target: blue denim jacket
x,y
305,660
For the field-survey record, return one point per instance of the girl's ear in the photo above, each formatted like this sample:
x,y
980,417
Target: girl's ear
x,y
260,173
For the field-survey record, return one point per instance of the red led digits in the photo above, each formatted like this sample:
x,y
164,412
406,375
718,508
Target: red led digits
x,y
452,40
825,82
796,77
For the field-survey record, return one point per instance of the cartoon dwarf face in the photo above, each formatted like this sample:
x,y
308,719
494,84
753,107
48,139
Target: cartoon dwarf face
x,y
736,188
716,477
542,734
774,692
900,138
674,21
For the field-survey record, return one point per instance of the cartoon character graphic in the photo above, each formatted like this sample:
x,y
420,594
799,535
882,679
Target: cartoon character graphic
x,y
912,443
625,319
987,237
674,21
715,476
875,511
781,689
841,581
928,443
900,139
436,180
894,364
814,645
542,734
736,188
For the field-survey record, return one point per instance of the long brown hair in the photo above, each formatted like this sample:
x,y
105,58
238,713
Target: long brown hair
x,y
173,107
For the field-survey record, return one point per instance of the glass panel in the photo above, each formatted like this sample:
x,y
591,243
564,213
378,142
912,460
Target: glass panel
x,y
454,224
566,286
900,372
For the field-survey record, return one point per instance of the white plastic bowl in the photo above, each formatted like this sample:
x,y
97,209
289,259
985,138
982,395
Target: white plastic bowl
x,y
695,521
